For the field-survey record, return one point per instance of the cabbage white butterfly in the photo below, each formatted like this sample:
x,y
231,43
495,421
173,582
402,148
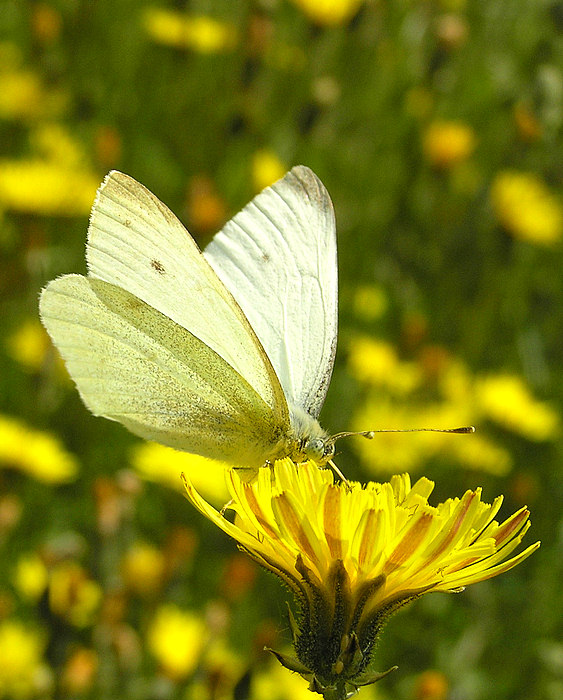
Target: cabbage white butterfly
x,y
226,353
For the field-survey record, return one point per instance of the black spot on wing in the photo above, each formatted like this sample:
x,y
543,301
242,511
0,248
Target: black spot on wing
x,y
158,266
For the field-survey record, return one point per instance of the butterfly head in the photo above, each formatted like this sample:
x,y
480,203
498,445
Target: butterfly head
x,y
318,449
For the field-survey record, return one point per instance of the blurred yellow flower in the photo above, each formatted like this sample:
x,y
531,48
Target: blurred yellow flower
x,y
431,685
79,673
21,650
206,208
266,169
391,452
200,33
176,639
28,344
39,187
164,465
21,94
143,568
452,30
73,595
56,145
275,683
35,452
352,554
526,208
447,143
479,453
506,400
329,12
370,302
31,576
46,22
438,391
375,362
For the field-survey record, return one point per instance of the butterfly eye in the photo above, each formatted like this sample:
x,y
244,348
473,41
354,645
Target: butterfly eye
x,y
318,450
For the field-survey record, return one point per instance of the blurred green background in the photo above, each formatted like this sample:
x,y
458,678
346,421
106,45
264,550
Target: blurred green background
x,y
436,127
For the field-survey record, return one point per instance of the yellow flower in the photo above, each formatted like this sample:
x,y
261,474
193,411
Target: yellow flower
x,y
21,651
29,344
481,454
276,684
370,302
38,453
396,451
447,143
21,94
176,638
31,576
164,465
200,33
506,399
375,362
354,554
73,595
526,208
266,169
329,12
37,186
143,568
56,145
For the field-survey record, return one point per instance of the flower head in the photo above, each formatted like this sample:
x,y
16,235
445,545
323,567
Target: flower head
x,y
526,208
329,12
197,32
354,554
447,143
22,650
176,638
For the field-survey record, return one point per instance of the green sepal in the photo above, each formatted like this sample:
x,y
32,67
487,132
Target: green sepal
x,y
291,663
369,678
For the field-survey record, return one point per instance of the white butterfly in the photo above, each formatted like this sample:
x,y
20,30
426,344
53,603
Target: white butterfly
x,y
226,353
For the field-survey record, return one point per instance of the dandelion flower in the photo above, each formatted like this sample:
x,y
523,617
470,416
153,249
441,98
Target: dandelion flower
x,y
352,555
266,169
176,639
526,208
201,33
38,453
329,12
447,143
21,650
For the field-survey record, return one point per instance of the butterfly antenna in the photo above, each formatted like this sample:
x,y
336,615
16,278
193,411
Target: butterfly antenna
x,y
369,434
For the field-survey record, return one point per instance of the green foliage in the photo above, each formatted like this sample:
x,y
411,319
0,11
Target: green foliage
x,y
467,272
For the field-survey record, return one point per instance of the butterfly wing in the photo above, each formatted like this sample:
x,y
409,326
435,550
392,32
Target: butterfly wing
x,y
133,364
135,242
278,258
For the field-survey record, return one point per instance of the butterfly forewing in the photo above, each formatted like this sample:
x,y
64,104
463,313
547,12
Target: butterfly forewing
x,y
135,242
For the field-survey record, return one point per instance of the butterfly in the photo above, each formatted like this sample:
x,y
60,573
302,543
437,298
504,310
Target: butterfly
x,y
225,353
